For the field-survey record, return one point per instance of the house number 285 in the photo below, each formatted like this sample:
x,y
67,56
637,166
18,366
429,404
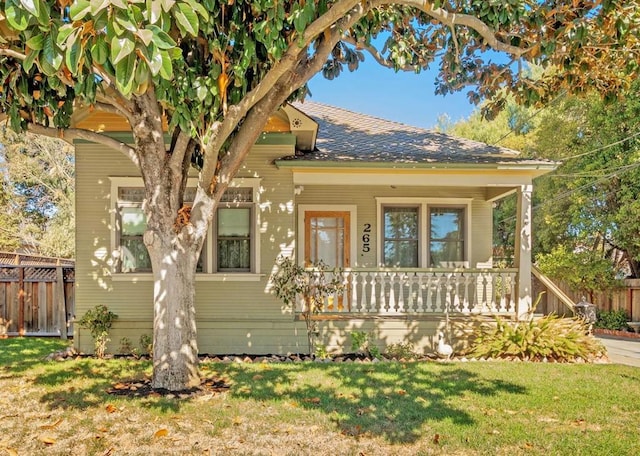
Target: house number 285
x,y
366,237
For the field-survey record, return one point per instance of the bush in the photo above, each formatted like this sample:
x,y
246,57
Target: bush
x,y
550,337
615,319
98,321
361,343
400,351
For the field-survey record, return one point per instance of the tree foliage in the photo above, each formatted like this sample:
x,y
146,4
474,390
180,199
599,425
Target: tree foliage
x,y
216,70
38,188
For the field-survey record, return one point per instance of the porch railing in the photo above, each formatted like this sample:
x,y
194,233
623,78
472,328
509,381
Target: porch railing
x,y
424,291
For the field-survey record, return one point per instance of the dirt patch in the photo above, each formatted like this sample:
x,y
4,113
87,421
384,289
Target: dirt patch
x,y
142,388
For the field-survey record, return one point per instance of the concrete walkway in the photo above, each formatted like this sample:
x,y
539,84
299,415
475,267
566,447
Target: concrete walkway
x,y
622,351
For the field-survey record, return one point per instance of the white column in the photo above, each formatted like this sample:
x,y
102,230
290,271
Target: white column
x,y
523,252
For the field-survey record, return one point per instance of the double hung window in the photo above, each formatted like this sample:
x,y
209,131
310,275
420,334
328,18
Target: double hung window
x,y
231,244
423,233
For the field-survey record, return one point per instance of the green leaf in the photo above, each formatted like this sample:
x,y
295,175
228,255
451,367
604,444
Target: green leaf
x,y
146,36
79,9
72,56
161,38
100,51
63,33
35,42
187,19
51,54
199,9
98,5
126,21
155,62
166,70
27,63
167,4
125,74
121,47
33,6
16,17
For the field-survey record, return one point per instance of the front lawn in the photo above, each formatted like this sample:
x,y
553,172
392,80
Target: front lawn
x,y
49,407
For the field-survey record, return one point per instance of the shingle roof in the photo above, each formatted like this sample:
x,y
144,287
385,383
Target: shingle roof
x,y
346,136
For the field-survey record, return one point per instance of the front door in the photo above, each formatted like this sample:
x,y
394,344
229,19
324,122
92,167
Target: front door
x,y
326,239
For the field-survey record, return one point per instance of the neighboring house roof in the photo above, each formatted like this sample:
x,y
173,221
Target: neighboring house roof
x,y
345,136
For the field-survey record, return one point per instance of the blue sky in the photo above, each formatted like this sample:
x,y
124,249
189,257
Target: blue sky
x,y
404,97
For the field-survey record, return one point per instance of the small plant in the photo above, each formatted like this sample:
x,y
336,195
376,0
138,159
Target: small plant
x,y
98,321
292,281
614,319
146,344
322,352
550,337
361,343
400,350
127,348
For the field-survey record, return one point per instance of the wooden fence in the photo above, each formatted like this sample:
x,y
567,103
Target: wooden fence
x,y
626,298
37,298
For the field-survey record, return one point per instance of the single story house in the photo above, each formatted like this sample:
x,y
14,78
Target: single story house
x,y
405,211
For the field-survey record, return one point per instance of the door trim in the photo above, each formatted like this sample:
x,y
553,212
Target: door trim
x,y
353,212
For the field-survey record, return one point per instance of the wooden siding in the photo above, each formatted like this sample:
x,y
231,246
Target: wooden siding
x,y
219,304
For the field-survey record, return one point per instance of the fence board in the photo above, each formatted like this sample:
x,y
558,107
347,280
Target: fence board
x,y
46,304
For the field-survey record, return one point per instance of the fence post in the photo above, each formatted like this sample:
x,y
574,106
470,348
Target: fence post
x,y
21,294
60,299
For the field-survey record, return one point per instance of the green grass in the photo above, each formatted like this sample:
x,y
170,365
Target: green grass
x,y
320,408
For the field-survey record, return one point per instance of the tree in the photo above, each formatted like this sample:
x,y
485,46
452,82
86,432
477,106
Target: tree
x,y
216,70
39,183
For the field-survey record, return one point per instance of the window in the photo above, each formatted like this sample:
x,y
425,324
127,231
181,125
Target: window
x,y
423,233
232,243
446,236
401,236
234,230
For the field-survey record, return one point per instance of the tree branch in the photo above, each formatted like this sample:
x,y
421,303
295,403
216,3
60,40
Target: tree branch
x,y
12,53
71,134
452,19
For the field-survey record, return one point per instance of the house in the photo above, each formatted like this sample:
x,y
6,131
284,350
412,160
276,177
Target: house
x,y
405,211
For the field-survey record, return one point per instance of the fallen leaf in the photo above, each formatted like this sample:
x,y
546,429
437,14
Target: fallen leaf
x,y
110,408
313,400
119,386
494,432
11,451
51,426
47,439
436,439
161,433
401,392
237,421
257,377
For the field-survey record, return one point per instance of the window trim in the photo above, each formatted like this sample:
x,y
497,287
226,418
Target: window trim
x,y
423,205
209,273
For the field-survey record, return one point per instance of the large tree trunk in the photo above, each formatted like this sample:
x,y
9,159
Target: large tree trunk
x,y
175,348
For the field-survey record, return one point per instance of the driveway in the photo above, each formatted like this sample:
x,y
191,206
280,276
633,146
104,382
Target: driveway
x,y
622,351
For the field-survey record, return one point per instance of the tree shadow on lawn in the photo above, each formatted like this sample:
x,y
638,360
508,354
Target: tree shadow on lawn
x,y
394,400
19,354
84,383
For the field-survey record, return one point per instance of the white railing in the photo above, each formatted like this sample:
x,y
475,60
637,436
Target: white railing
x,y
424,291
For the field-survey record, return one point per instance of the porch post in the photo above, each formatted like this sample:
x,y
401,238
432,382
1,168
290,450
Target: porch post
x,y
522,252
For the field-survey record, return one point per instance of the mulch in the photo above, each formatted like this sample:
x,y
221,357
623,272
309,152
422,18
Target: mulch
x,y
142,388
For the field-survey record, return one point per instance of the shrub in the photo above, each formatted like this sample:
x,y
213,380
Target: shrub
x,y
146,344
98,321
550,337
400,350
615,319
361,343
291,281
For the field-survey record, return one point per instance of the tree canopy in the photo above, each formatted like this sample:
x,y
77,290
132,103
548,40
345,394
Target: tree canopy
x,y
38,206
215,71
